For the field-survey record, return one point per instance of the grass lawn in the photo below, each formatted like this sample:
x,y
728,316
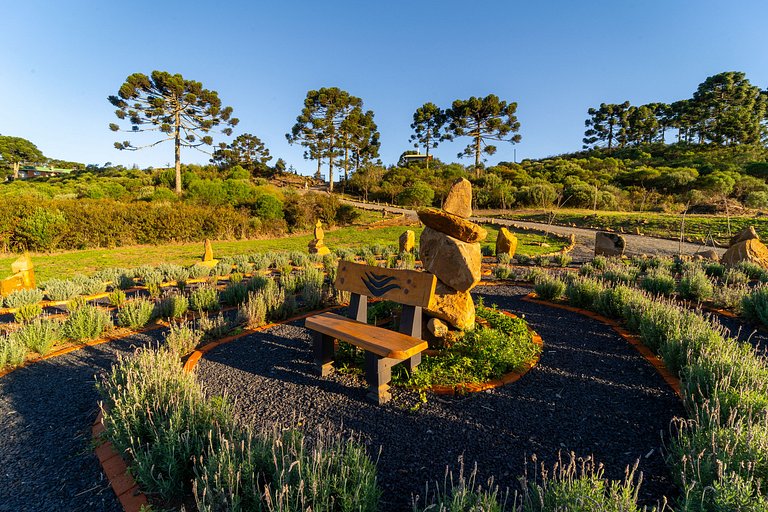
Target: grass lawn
x,y
67,264
697,227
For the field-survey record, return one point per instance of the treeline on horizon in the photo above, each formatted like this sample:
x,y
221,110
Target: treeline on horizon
x,y
718,156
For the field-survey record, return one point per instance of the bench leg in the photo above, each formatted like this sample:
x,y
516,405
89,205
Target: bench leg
x,y
323,351
411,363
378,373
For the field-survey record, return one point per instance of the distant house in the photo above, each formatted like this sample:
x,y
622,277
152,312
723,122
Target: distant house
x,y
416,158
34,171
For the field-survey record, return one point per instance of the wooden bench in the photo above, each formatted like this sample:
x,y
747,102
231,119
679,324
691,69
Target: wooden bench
x,y
383,348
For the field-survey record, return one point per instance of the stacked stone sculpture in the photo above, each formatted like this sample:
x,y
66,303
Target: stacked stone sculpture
x,y
449,248
317,246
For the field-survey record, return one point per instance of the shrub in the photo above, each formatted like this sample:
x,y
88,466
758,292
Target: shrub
x,y
407,261
93,286
39,335
502,271
755,305
583,292
658,282
60,290
462,494
12,351
563,259
182,338
214,328
125,281
234,294
135,313
19,298
753,270
41,230
504,258
714,269
197,271
600,262
612,301
204,298
695,285
735,277
117,298
222,269
549,288
730,297
253,312
172,306
260,261
87,323
27,313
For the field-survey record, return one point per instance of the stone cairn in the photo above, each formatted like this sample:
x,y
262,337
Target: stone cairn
x,y
746,246
317,246
449,248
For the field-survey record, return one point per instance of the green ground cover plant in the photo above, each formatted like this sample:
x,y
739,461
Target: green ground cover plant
x,y
86,323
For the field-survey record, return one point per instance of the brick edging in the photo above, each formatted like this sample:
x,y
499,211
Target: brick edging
x,y
634,340
116,470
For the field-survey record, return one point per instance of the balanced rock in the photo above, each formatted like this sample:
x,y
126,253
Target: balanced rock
x,y
506,242
452,225
407,241
746,234
455,307
317,246
437,327
609,244
753,251
459,199
454,262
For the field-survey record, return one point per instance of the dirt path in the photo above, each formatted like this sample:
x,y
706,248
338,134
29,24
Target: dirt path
x,y
585,238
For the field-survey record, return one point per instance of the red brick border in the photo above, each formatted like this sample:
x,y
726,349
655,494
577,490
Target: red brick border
x,y
632,339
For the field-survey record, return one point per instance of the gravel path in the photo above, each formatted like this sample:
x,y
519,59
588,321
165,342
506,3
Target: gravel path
x,y
47,409
585,238
591,393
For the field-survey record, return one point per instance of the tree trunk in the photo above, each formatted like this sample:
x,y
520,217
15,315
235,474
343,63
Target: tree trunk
x,y
16,166
346,169
177,143
330,164
428,140
477,152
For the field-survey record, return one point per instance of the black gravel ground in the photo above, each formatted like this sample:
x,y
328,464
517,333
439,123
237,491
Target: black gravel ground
x,y
745,330
47,409
591,394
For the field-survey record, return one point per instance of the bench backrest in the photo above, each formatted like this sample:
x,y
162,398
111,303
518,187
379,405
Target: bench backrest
x,y
412,289
408,287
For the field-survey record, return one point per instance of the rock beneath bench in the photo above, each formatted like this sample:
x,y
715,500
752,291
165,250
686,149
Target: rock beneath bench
x,y
609,244
454,262
455,307
452,225
437,328
459,199
506,242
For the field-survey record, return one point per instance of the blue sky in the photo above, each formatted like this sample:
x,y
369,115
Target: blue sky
x,y
60,61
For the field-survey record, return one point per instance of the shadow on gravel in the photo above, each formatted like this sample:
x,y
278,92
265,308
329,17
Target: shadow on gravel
x,y
591,394
46,458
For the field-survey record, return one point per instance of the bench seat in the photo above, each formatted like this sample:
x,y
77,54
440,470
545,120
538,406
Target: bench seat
x,y
382,342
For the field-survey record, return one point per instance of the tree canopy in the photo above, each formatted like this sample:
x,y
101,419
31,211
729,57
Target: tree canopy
x,y
483,119
179,109
15,150
246,150
333,123
428,122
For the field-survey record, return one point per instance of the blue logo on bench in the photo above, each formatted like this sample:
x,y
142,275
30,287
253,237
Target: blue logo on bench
x,y
379,285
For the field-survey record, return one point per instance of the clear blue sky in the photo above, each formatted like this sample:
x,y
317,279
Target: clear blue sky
x,y
60,61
